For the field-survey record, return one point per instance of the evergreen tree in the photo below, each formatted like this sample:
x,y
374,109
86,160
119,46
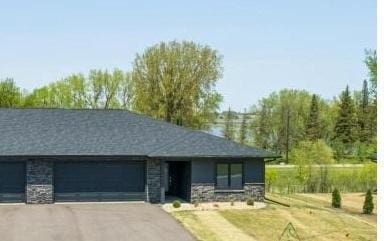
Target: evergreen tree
x,y
371,64
229,131
364,115
336,198
346,122
313,130
243,129
368,203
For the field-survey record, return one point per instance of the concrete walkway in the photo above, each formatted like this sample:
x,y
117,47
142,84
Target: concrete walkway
x,y
93,222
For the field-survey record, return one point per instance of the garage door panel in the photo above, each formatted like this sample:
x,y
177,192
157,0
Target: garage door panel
x,y
99,181
99,196
12,181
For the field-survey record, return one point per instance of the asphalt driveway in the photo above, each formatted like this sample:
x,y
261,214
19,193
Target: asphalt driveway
x,y
96,221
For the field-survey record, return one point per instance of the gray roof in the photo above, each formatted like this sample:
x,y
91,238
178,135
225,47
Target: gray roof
x,y
71,132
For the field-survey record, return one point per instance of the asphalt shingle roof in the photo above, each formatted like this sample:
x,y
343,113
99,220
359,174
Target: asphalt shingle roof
x,y
61,132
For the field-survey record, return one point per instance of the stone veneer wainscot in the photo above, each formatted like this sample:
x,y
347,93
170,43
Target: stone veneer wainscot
x,y
206,192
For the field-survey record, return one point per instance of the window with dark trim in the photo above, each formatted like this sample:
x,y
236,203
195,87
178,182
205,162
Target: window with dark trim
x,y
229,176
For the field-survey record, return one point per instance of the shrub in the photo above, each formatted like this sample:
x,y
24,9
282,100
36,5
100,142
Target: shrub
x,y
176,204
307,154
195,204
232,203
368,203
336,198
250,201
271,176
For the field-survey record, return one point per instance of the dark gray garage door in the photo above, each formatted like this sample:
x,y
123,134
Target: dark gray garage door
x,y
12,181
99,181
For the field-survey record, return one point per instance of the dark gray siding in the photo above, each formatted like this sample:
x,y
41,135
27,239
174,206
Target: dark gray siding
x,y
203,181
203,171
254,171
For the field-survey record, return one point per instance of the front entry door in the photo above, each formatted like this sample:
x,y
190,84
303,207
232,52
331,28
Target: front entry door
x,y
179,179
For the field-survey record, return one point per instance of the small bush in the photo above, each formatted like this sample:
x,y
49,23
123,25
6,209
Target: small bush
x,y
336,198
195,204
368,203
250,201
216,205
232,203
176,204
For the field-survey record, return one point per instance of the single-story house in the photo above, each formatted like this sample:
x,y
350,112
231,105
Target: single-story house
x,y
61,155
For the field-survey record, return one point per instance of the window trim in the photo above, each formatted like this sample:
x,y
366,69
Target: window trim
x,y
229,187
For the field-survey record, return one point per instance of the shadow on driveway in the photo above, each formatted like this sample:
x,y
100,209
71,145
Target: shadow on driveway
x,y
93,222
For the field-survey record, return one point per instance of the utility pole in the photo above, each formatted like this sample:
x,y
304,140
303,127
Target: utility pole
x,y
287,136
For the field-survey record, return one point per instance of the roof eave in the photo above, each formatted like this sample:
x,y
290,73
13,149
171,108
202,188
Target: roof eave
x,y
212,156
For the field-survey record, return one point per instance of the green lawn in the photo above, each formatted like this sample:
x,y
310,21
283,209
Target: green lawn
x,y
312,220
311,224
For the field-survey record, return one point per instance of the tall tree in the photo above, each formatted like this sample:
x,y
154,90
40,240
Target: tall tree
x,y
313,131
261,127
105,86
364,114
125,91
10,94
243,129
371,64
111,88
229,126
100,89
272,115
175,81
346,123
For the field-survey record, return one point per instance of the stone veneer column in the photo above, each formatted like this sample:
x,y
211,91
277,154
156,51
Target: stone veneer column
x,y
153,180
254,190
39,181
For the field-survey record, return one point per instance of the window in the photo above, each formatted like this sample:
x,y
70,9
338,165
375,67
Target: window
x,y
222,175
236,176
229,176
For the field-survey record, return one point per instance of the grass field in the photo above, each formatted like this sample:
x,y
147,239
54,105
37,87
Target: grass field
x,y
351,202
311,215
347,178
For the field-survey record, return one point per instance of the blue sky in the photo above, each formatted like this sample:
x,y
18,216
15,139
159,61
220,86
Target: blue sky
x,y
266,45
